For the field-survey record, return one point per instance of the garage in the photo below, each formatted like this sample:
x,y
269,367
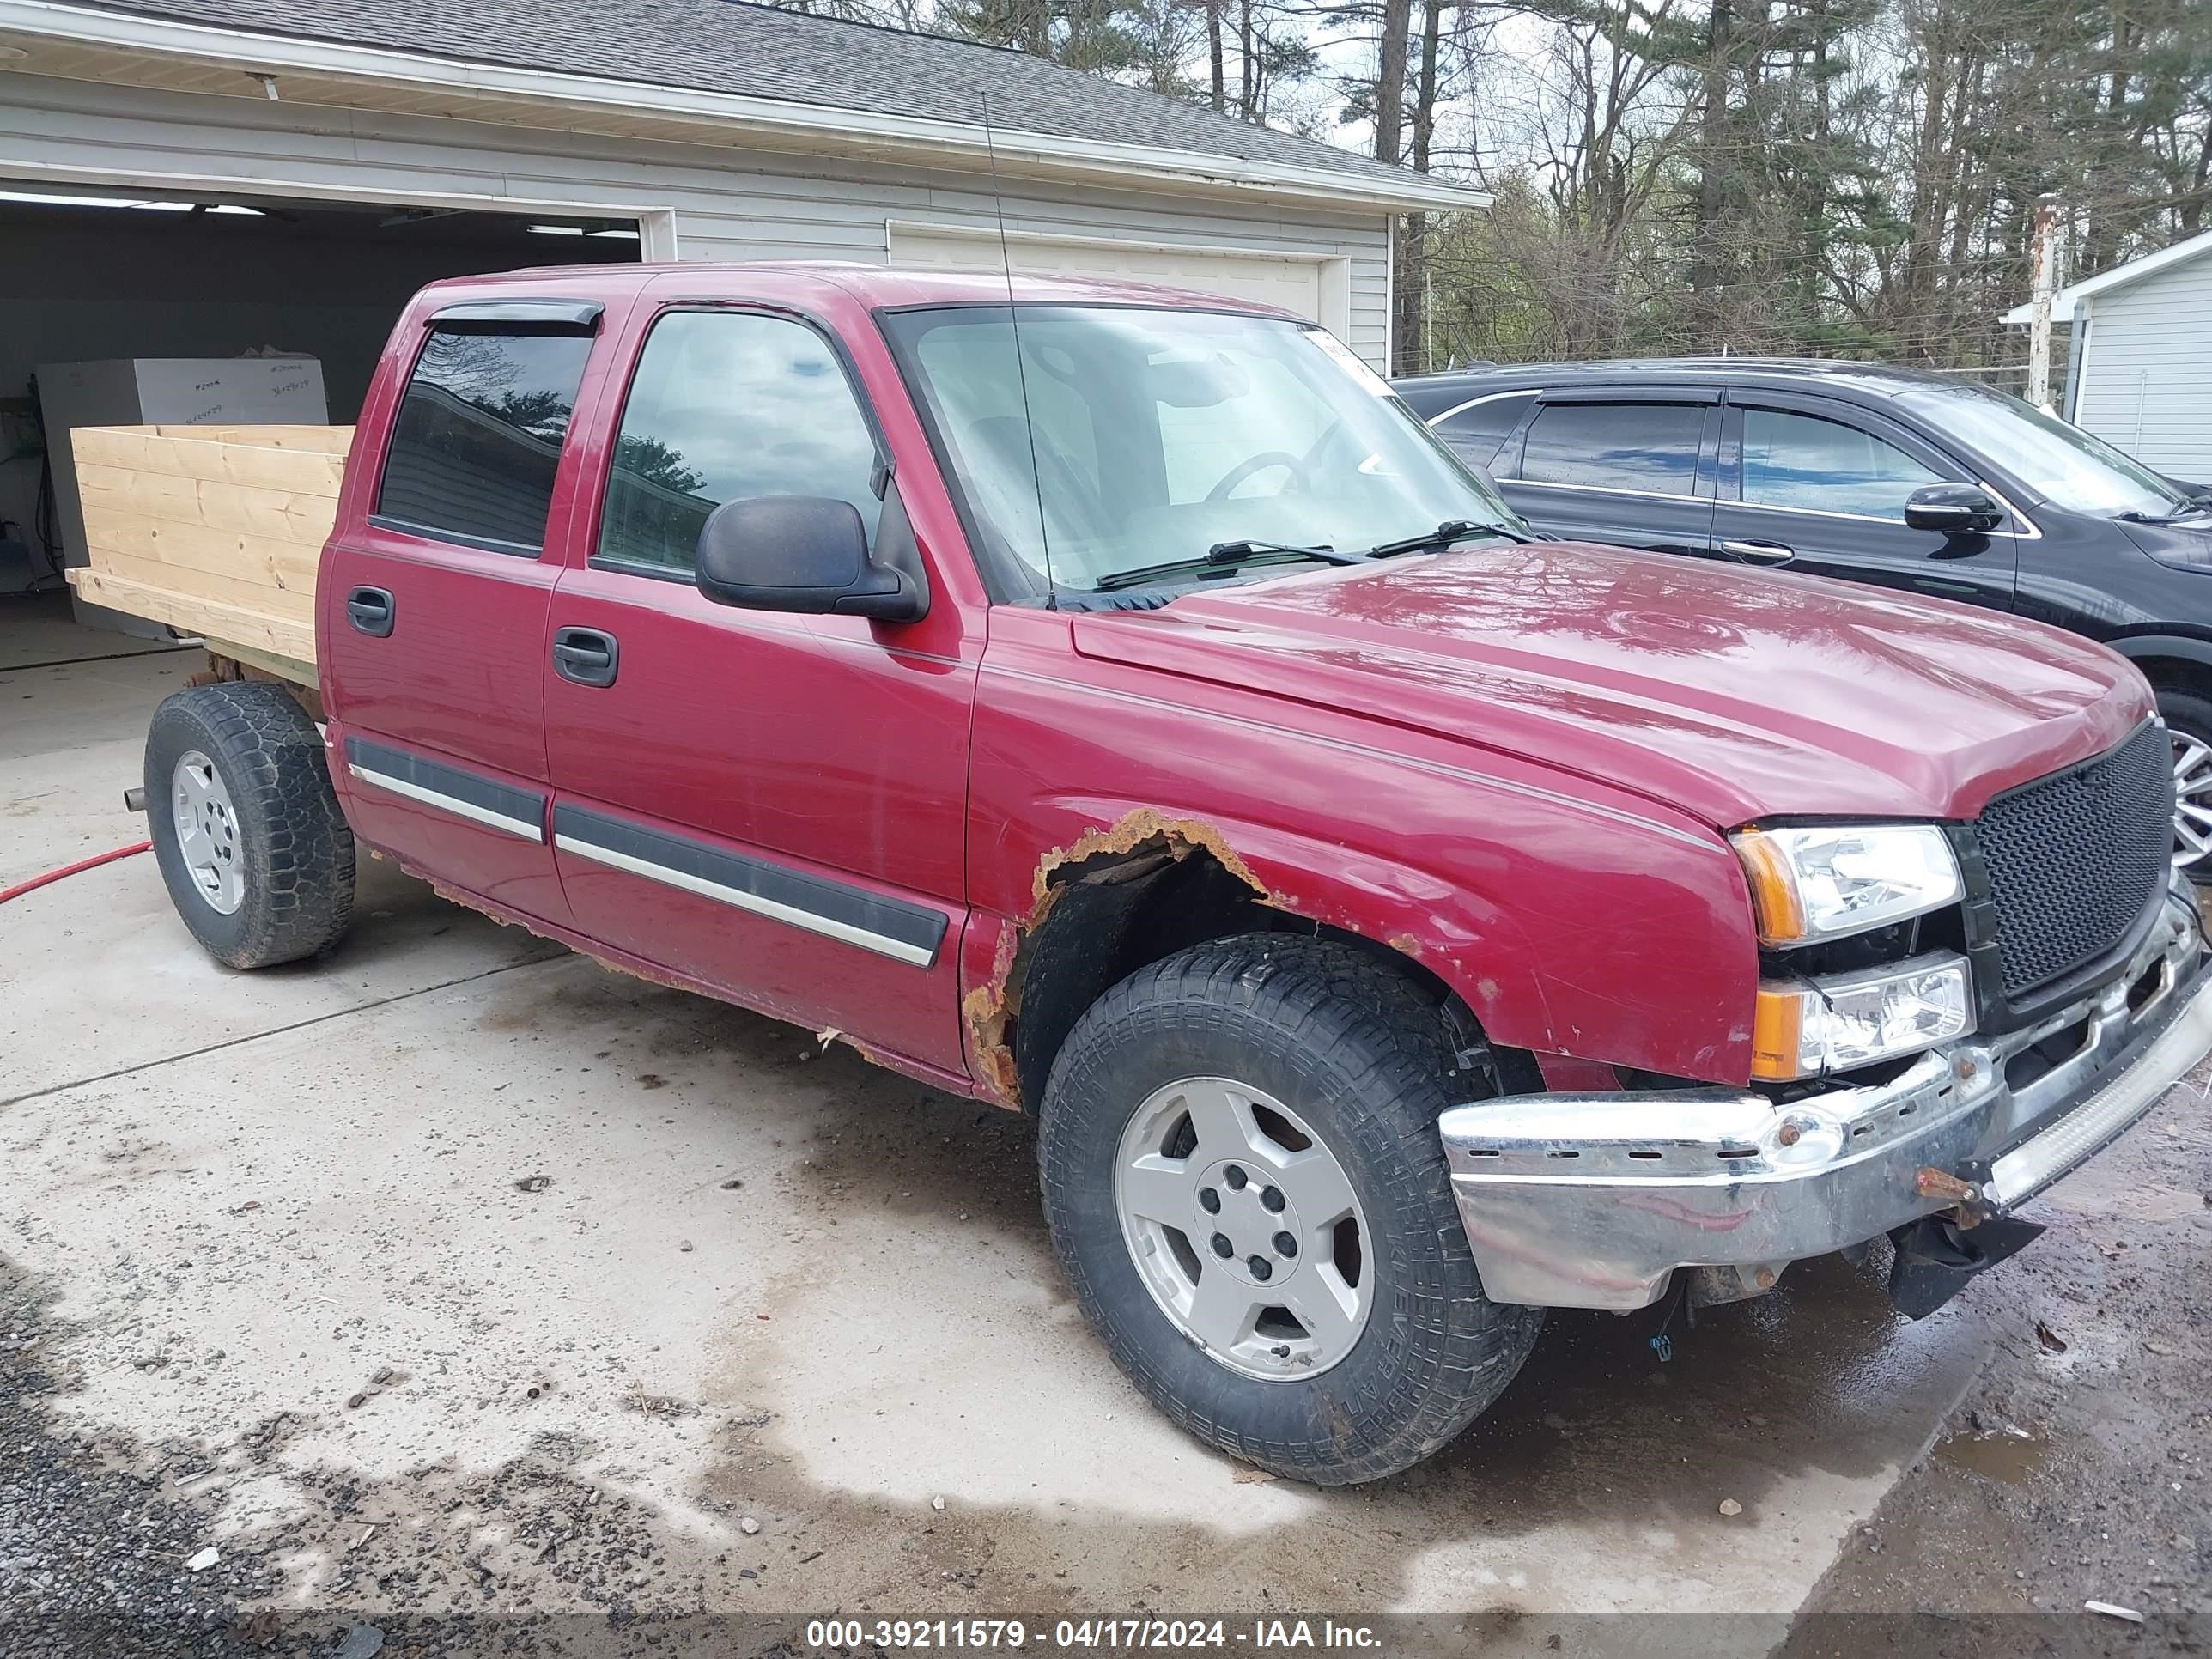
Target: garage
x,y
175,283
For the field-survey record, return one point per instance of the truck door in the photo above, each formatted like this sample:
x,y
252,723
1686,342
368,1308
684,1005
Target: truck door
x,y
432,607
767,804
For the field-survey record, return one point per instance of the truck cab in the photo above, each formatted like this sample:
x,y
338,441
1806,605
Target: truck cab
x,y
1115,705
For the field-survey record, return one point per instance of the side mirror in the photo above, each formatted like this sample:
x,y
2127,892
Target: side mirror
x,y
1952,509
804,553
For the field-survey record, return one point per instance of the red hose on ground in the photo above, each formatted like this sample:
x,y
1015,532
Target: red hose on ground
x,y
93,862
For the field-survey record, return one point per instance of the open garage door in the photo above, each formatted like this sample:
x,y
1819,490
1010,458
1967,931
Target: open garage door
x,y
1295,285
127,281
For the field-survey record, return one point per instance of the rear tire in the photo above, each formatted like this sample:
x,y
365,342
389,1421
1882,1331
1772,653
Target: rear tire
x,y
253,847
1309,1040
2189,718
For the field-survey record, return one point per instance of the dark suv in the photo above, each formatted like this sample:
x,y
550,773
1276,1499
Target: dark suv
x,y
1889,475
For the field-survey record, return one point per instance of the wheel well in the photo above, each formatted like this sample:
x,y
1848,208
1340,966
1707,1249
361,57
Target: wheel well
x,y
1101,918
2177,674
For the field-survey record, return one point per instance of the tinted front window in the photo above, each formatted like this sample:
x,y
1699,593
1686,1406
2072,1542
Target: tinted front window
x,y
1477,432
728,406
478,435
1648,446
1802,461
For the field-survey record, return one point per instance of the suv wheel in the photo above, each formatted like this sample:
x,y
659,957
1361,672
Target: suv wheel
x,y
2189,719
1245,1188
256,854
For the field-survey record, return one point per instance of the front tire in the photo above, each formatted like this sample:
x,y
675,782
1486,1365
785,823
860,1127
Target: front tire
x,y
252,846
1280,1094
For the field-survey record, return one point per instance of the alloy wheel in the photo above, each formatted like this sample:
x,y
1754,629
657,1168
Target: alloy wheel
x,y
2192,800
1245,1228
207,832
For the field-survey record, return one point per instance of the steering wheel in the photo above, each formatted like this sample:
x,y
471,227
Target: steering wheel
x,y
1260,463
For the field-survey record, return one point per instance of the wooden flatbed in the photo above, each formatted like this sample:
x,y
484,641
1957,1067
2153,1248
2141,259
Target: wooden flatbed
x,y
215,530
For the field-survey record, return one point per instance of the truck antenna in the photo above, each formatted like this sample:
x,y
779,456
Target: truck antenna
x,y
1021,371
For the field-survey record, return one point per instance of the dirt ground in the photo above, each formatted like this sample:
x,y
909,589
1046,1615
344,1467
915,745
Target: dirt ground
x,y
457,1296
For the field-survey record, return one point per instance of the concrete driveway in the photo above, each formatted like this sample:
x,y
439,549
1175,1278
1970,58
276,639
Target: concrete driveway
x,y
459,1274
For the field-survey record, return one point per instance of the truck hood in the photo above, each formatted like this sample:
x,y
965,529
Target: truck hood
x,y
1734,694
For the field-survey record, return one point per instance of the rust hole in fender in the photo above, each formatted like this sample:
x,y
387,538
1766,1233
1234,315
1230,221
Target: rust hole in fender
x,y
1140,845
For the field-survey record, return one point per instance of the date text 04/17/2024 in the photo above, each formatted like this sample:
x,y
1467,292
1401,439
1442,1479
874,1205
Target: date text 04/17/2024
x,y
1099,1635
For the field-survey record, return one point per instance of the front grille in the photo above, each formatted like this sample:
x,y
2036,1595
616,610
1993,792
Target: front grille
x,y
2075,858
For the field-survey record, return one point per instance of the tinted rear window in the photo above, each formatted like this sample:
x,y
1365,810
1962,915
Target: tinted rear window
x,y
1639,446
1476,432
478,435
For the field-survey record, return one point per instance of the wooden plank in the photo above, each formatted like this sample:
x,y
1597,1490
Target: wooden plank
x,y
147,449
217,531
258,562
312,440
216,586
205,618
285,516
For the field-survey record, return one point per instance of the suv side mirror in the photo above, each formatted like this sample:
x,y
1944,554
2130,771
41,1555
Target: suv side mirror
x,y
1953,509
805,553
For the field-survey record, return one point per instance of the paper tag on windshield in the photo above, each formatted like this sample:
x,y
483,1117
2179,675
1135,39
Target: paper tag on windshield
x,y
1374,384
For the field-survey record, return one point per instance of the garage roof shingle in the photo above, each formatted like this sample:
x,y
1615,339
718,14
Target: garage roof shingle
x,y
734,46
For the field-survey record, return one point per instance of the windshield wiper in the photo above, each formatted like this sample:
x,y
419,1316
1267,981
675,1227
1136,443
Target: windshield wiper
x,y
2197,508
1450,530
1239,552
1225,554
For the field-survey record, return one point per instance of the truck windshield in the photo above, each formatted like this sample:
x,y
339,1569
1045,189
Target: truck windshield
x,y
1129,438
2062,463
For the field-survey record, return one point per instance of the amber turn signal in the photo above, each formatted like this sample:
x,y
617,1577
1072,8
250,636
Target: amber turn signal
x,y
1775,905
1777,1034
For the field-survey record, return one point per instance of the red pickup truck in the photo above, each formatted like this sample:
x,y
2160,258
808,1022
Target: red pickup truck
x,y
1113,704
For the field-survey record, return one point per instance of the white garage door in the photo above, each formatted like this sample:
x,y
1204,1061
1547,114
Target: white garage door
x,y
1292,284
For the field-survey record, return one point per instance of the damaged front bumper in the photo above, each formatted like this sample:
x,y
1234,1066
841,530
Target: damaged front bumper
x,y
1596,1201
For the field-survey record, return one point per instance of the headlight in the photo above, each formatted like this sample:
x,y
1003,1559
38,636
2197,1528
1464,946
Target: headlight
x,y
1809,1027
1818,881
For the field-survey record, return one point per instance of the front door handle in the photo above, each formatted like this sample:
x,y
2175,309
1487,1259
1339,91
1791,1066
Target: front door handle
x,y
1759,552
586,655
370,611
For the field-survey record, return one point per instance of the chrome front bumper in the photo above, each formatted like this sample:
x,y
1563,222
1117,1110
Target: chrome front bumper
x,y
1594,1201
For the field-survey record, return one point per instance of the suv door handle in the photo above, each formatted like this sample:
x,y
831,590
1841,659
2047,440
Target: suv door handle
x,y
370,611
586,655
1759,552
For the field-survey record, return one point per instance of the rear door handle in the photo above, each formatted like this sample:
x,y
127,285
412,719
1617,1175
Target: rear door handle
x,y
586,655
370,611
1759,552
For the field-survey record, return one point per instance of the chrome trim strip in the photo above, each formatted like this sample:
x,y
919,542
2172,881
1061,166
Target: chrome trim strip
x,y
2030,534
445,803
1486,397
1693,497
897,950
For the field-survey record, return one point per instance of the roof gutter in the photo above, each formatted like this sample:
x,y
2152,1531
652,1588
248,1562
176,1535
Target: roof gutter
x,y
2121,276
253,53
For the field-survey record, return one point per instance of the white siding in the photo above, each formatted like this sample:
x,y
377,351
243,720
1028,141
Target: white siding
x,y
729,204
2147,375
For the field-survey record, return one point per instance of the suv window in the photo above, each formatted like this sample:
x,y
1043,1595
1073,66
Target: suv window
x,y
478,436
726,405
1476,432
1635,446
1805,462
